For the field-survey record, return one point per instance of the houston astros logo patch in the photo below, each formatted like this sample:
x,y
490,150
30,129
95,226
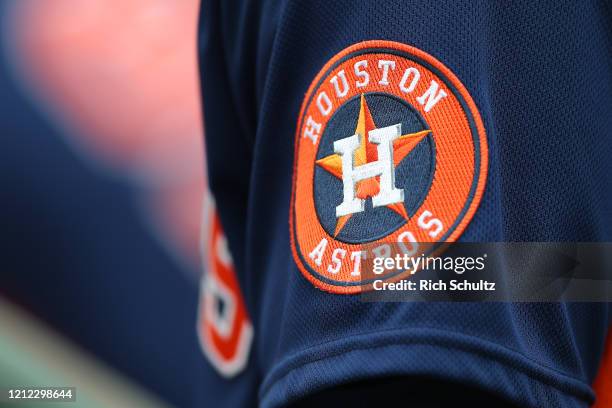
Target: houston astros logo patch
x,y
390,148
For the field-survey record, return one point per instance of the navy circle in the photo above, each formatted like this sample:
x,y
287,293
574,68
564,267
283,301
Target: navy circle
x,y
414,174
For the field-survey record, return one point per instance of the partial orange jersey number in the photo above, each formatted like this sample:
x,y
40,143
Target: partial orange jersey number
x,y
224,327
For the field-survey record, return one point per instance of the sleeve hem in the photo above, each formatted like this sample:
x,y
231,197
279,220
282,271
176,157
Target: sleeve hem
x,y
426,352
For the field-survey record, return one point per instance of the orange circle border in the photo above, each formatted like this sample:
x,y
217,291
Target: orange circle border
x,y
459,229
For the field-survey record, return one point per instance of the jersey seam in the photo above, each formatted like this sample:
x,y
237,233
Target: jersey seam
x,y
538,372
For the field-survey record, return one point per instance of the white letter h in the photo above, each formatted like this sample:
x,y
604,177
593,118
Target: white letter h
x,y
383,167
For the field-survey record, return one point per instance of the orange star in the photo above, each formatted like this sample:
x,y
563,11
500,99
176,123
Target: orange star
x,y
366,153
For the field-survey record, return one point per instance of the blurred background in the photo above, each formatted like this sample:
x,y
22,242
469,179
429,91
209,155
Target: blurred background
x,y
102,183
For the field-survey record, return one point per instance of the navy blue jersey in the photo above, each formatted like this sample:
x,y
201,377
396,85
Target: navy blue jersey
x,y
501,112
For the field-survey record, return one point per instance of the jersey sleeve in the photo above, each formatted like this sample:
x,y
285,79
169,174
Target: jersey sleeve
x,y
334,124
